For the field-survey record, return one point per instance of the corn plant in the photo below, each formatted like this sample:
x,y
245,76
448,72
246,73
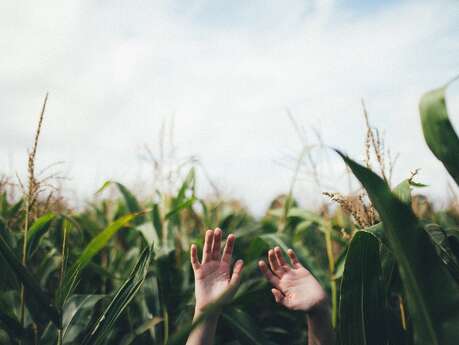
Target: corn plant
x,y
118,271
400,282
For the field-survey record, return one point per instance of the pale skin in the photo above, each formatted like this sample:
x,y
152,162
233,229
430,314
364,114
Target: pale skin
x,y
215,276
294,287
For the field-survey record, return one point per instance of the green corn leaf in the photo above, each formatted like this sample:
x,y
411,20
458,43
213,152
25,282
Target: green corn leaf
x,y
131,201
145,326
188,184
31,285
179,338
7,273
261,244
431,292
94,247
77,315
185,204
403,191
244,327
442,244
404,188
10,325
361,300
156,219
149,233
106,321
132,204
37,230
438,130
15,209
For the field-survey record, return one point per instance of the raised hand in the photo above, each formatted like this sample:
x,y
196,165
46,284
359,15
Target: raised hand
x,y
294,286
213,276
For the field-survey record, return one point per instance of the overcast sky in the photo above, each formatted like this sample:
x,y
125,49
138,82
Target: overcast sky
x,y
227,72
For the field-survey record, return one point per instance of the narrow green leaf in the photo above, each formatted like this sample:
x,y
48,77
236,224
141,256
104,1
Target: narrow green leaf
x,y
31,285
442,245
149,233
10,324
361,300
104,186
96,244
403,191
132,204
156,219
187,203
77,315
188,184
120,301
244,327
145,326
431,292
438,130
38,229
131,201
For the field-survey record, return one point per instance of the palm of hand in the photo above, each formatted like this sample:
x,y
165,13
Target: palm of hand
x,y
212,280
294,286
213,277
301,290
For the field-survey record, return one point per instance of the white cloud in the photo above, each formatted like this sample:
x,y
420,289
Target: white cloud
x,y
226,73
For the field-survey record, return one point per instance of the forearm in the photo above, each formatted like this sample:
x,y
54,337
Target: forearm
x,y
320,330
204,333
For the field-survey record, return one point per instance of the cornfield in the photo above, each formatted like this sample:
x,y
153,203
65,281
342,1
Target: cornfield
x,y
118,271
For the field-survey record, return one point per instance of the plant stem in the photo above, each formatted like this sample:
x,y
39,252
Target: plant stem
x,y
24,259
331,270
64,243
59,337
166,326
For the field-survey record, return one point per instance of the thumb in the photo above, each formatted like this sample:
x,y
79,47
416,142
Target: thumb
x,y
236,276
278,296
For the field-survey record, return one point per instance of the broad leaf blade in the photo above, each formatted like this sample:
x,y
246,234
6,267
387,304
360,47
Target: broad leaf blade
x,y
244,327
431,292
438,130
96,244
38,229
31,285
120,301
77,315
361,300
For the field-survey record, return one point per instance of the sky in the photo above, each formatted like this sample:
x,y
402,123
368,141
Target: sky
x,y
226,78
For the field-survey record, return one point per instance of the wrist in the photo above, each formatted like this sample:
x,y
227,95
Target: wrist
x,y
319,312
206,310
321,308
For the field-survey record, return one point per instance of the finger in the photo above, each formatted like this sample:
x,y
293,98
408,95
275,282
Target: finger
x,y
207,250
268,274
216,246
194,257
277,270
280,258
278,296
228,251
293,259
236,276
